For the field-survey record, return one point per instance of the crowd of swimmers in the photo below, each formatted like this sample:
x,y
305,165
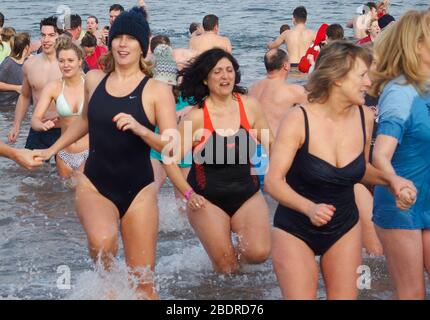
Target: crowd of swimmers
x,y
121,110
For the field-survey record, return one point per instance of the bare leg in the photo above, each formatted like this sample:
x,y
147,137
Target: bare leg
x,y
159,174
100,220
339,266
212,226
404,253
63,169
139,228
364,201
295,266
251,224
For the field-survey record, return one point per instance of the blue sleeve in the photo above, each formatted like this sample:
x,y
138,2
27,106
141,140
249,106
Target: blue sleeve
x,y
394,111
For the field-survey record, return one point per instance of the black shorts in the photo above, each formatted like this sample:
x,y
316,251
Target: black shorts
x,y
42,139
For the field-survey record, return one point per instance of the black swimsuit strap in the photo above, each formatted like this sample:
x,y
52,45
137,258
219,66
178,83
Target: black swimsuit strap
x,y
142,85
363,124
306,143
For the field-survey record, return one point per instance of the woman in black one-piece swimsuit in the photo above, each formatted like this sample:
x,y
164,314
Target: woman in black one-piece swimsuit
x,y
320,153
117,189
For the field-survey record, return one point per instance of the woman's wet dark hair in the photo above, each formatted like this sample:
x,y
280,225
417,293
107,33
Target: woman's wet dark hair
x,y
192,86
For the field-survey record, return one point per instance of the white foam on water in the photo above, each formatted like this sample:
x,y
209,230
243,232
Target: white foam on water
x,y
117,284
171,218
191,259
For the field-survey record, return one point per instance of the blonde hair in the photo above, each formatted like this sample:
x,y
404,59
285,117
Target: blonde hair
x,y
396,50
66,43
369,26
333,63
108,63
7,35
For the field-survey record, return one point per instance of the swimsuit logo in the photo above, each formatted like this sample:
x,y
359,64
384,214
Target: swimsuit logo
x,y
132,97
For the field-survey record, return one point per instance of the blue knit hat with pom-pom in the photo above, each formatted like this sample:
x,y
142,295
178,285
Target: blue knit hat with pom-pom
x,y
133,23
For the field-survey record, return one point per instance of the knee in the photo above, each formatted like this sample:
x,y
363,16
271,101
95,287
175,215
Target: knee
x,y
258,254
103,242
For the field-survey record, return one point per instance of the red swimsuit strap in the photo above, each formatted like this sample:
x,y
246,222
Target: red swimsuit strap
x,y
208,129
243,118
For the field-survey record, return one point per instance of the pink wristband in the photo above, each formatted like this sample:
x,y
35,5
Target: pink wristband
x,y
188,194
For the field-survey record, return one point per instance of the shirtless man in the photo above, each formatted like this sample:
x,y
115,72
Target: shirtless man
x,y
210,38
183,56
37,72
360,23
297,39
273,93
196,29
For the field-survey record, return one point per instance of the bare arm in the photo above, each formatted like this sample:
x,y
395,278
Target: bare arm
x,y
46,97
25,158
10,87
163,104
21,107
290,138
383,152
186,130
278,41
6,151
382,173
188,126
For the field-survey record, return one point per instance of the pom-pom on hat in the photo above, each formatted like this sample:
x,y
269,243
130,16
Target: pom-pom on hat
x,y
133,23
165,69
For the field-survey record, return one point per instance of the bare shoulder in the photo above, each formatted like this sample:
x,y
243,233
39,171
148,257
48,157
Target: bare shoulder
x,y
292,125
195,115
250,102
156,87
311,33
296,88
93,78
285,34
294,116
30,62
54,87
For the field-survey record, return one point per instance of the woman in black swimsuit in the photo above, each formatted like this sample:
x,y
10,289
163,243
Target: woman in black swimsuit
x,y
320,153
120,112
223,192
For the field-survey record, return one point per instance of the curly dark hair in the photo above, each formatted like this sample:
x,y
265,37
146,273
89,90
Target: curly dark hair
x,y
193,76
